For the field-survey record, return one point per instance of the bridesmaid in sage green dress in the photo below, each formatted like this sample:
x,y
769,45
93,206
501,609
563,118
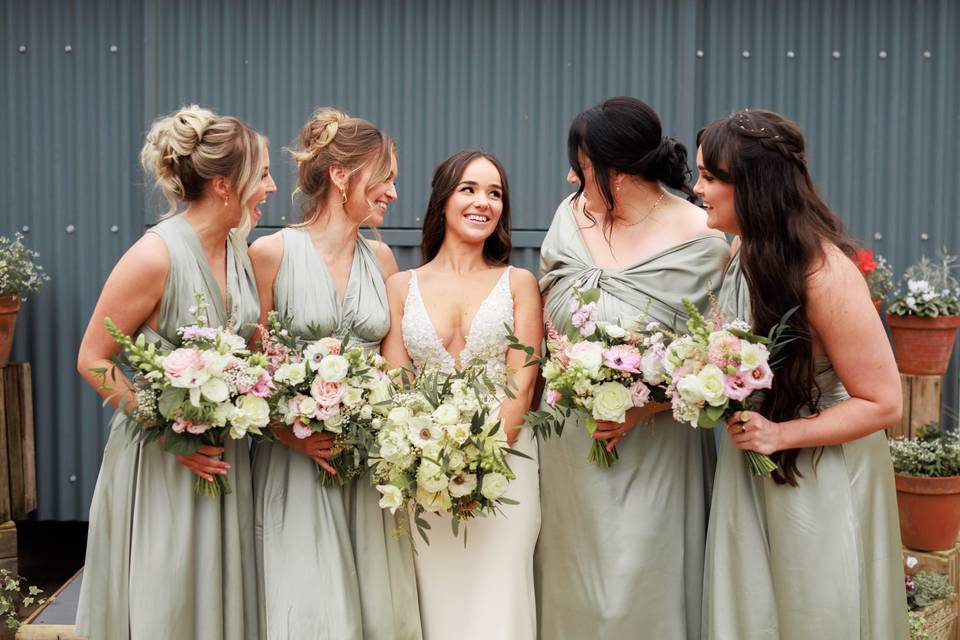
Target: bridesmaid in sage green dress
x,y
329,562
620,553
814,551
163,562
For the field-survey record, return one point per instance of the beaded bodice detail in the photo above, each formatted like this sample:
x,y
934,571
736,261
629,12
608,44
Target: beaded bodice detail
x,y
486,339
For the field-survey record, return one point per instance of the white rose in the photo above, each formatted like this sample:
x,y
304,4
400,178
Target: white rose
x,y
462,485
399,416
689,389
652,368
446,414
251,414
611,401
711,385
494,486
613,330
394,446
752,355
379,392
222,414
333,368
366,412
550,370
334,423
215,390
391,497
587,355
431,477
291,373
308,407
433,501
456,460
352,396
232,341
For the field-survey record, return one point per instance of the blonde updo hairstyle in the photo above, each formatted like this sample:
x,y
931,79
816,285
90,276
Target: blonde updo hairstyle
x,y
187,149
331,138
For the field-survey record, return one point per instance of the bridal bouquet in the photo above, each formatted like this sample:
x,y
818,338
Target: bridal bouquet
x,y
600,370
209,388
715,372
438,449
328,386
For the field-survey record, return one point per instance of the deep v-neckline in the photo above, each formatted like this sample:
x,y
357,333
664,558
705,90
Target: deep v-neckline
x,y
221,302
454,361
340,302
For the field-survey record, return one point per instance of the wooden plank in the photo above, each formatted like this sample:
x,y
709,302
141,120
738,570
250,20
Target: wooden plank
x,y
14,400
47,632
5,511
922,399
947,562
27,443
8,539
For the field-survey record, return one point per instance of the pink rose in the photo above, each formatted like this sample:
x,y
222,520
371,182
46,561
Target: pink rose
x,y
639,393
332,345
623,358
553,397
301,430
760,377
185,368
327,394
736,387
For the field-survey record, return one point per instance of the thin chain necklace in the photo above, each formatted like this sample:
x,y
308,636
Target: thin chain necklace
x,y
649,213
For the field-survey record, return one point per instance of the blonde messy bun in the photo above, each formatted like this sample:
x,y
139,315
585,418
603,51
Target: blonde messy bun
x,y
186,149
330,138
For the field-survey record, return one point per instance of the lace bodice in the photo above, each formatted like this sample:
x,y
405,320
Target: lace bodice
x,y
486,340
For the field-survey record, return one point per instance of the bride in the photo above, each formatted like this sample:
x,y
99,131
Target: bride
x,y
451,310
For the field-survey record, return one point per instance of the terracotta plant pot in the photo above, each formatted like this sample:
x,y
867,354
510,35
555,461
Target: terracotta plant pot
x,y
878,304
923,345
9,305
929,512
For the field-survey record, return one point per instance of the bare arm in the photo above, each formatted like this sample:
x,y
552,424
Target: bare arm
x,y
388,263
528,327
847,326
392,348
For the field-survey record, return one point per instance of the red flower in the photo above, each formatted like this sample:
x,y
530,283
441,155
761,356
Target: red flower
x,y
865,261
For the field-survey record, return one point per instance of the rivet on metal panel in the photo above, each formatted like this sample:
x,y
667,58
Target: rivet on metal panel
x,y
114,48
22,48
791,55
924,236
745,54
25,229
114,229
927,55
700,53
283,218
883,55
68,49
73,478
835,55
877,236
71,228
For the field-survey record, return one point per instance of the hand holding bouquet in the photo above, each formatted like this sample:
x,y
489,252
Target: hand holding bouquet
x,y
439,449
328,386
600,370
716,372
210,387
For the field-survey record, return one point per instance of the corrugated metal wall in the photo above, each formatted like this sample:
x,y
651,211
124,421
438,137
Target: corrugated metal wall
x,y
439,75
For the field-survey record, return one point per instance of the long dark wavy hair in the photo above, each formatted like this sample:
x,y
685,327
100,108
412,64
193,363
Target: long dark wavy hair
x,y
625,134
446,177
783,224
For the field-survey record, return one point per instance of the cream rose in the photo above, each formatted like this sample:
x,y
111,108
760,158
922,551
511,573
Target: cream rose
x,y
611,401
334,368
494,486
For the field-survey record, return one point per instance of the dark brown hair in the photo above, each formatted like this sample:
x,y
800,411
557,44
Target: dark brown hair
x,y
446,177
783,224
625,134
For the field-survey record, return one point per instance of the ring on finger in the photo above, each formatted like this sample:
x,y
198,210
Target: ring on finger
x,y
743,427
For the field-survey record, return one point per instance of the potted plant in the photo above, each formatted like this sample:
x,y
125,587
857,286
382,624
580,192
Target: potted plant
x,y
18,274
927,474
930,604
924,317
878,273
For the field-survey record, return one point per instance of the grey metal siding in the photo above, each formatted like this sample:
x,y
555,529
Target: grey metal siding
x,y
439,75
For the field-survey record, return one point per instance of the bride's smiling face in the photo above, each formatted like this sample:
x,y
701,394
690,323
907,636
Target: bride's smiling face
x,y
473,210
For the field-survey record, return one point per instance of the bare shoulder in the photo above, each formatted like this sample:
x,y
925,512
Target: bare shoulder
x,y
148,258
267,249
398,283
832,269
523,281
388,263
690,220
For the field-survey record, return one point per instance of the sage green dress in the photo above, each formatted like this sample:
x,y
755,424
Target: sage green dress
x,y
821,560
163,562
620,553
329,562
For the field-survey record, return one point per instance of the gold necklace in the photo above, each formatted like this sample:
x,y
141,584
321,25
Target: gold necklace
x,y
649,213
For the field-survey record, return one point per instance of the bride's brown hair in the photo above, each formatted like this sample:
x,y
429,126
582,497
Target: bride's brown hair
x,y
783,225
498,246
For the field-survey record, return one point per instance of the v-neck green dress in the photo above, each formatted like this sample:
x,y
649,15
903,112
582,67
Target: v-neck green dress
x,y
163,562
620,553
329,562
820,560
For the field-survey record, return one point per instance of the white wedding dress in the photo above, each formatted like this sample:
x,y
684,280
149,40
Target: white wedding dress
x,y
483,590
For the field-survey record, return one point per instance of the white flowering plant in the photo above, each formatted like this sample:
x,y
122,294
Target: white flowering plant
x,y
599,370
930,289
933,453
715,371
209,388
440,451
19,272
326,385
